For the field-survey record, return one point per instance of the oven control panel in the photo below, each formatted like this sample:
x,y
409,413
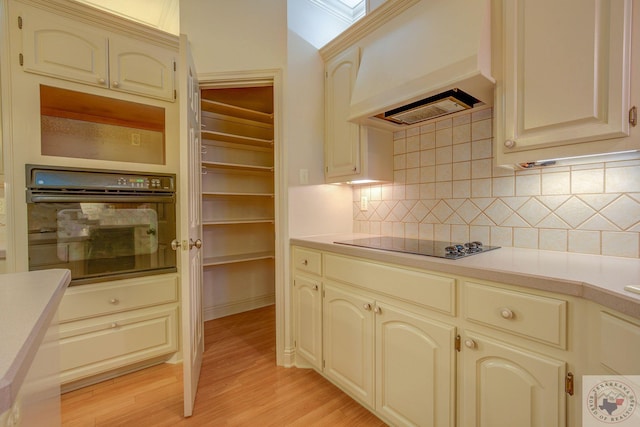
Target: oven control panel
x,y
142,182
49,178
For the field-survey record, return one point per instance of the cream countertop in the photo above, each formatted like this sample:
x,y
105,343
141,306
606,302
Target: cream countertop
x,y
594,277
28,303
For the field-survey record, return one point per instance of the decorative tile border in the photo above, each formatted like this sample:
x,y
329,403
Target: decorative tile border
x,y
446,188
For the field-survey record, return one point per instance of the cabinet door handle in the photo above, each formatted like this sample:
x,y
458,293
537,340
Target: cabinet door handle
x,y
470,343
366,306
114,325
509,143
377,310
355,169
305,262
315,287
506,313
115,84
101,81
114,301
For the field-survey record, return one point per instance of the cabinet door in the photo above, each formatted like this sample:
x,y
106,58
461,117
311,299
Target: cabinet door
x,y
63,48
415,360
563,84
342,138
141,68
504,386
308,320
348,341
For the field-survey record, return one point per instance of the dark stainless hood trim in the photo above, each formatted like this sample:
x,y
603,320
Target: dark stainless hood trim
x,y
449,102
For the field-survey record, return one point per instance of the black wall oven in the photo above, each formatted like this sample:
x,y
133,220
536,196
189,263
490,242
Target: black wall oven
x,y
100,224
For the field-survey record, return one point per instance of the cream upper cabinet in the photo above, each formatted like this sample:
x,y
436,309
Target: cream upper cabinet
x,y
138,67
352,152
68,49
564,78
342,138
64,48
506,386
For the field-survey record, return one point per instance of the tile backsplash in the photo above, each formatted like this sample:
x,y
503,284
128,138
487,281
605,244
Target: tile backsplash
x,y
446,188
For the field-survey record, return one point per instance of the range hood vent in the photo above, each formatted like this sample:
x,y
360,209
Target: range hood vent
x,y
432,59
444,103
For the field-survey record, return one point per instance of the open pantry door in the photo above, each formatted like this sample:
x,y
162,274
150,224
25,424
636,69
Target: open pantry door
x,y
190,226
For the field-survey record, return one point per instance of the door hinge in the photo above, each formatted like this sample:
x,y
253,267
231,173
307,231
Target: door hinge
x,y
326,169
295,344
633,116
21,59
174,66
568,384
457,343
323,293
323,364
20,22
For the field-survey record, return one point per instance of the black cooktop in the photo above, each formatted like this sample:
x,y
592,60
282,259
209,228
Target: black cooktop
x,y
449,250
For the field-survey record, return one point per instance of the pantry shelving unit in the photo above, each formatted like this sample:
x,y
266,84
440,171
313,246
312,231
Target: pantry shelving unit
x,y
238,200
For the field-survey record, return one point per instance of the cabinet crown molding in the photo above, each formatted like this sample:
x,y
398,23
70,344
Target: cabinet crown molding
x,y
89,15
365,26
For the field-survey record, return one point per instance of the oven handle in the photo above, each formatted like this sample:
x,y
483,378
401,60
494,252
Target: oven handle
x,y
65,198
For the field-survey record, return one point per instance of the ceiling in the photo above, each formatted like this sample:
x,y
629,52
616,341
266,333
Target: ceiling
x,y
165,14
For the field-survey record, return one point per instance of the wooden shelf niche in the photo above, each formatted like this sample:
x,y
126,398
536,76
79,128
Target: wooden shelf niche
x,y
82,125
238,199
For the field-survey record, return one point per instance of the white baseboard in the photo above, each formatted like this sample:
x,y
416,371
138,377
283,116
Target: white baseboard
x,y
217,311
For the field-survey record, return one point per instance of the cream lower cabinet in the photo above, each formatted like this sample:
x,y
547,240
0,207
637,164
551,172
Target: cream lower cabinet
x,y
307,297
395,361
425,349
505,386
116,325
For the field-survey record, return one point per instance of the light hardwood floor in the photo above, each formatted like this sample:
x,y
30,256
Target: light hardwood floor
x,y
240,385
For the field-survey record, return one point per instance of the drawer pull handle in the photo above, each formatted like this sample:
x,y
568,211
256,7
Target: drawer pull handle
x,y
114,301
506,313
315,287
305,262
377,310
470,343
114,325
367,306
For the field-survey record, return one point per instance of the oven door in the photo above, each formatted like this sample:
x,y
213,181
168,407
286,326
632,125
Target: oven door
x,y
102,237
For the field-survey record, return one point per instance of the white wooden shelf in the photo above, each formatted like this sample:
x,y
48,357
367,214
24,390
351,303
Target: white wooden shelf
x,y
239,221
224,194
236,139
231,259
236,166
234,111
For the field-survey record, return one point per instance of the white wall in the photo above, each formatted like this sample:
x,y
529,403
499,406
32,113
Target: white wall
x,y
314,208
234,35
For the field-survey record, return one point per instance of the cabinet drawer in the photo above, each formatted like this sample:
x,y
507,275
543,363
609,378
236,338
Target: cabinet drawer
x,y
414,286
615,335
540,318
308,261
84,301
93,346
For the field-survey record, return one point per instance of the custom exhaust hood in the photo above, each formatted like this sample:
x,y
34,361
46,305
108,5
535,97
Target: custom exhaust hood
x,y
431,60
